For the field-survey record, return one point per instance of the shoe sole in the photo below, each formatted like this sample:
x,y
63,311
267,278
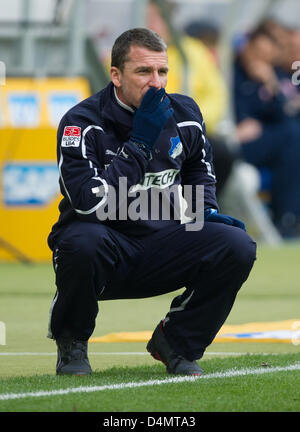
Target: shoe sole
x,y
74,373
156,356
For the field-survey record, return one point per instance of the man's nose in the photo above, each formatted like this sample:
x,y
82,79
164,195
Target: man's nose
x,y
155,81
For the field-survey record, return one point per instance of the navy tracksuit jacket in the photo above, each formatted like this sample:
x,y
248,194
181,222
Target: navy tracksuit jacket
x,y
98,259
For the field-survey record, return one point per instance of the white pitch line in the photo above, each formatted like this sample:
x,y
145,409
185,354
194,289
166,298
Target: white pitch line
x,y
227,374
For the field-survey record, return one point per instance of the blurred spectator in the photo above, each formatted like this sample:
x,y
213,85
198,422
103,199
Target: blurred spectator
x,y
267,130
206,84
288,43
288,40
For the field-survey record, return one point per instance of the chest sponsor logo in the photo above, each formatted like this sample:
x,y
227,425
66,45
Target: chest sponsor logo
x,y
160,180
176,147
71,136
110,153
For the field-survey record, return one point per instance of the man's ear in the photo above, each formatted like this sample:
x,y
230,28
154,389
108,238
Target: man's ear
x,y
115,75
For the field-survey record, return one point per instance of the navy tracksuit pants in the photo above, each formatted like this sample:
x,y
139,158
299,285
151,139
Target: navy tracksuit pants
x,y
94,262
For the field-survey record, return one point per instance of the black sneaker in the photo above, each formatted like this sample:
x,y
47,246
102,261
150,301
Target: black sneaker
x,y
160,349
72,357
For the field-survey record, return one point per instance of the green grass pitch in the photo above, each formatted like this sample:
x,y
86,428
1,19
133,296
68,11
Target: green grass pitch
x,y
238,376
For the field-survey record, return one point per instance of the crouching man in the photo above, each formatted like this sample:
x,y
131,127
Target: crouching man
x,y
133,130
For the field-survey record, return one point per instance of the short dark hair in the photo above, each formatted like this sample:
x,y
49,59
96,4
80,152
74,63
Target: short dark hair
x,y
142,37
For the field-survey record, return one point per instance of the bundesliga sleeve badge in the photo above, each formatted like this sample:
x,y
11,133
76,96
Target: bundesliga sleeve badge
x,y
71,136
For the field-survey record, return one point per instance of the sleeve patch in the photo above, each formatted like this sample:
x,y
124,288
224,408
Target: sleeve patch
x,y
71,136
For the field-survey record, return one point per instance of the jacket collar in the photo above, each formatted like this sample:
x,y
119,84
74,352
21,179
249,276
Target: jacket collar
x,y
122,104
119,115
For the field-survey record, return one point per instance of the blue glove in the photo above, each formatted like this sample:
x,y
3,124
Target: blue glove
x,y
150,119
212,215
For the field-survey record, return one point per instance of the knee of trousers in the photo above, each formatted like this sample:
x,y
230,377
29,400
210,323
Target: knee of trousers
x,y
86,247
